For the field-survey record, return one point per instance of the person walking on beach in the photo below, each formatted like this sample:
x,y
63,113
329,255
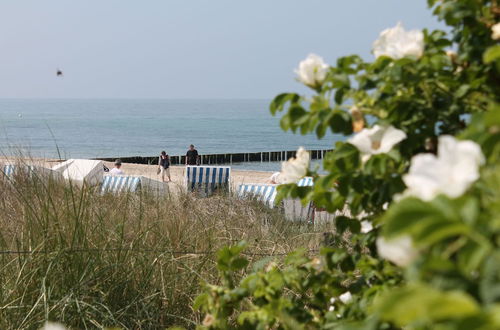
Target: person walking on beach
x,y
164,166
192,157
117,169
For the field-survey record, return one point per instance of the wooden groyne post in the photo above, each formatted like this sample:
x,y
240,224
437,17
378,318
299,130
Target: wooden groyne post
x,y
220,159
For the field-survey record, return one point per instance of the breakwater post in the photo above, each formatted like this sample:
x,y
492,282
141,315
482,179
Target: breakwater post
x,y
220,159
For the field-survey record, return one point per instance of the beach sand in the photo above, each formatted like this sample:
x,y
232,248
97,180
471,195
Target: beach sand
x,y
177,172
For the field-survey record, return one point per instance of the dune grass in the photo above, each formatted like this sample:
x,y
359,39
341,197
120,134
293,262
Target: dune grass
x,y
134,261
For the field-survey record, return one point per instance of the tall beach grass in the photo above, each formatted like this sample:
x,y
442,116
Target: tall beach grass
x,y
135,261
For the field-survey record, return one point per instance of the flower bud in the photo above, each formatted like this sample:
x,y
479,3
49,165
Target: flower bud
x,y
358,122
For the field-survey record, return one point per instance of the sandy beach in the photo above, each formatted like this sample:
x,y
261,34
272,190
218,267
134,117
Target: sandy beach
x,y
177,172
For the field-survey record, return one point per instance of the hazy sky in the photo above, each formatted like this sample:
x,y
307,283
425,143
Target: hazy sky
x,y
183,48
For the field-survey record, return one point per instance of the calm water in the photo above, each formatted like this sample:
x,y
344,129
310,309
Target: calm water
x,y
120,128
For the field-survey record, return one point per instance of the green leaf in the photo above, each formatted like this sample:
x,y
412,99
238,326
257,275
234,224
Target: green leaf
x,y
261,263
285,123
340,122
296,258
280,101
471,256
342,223
296,114
462,91
201,301
321,131
228,258
492,54
344,158
470,211
426,222
420,302
239,263
339,95
490,282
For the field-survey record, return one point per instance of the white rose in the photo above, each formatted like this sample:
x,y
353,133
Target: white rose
x,y
312,71
397,43
53,326
366,227
296,168
495,31
376,140
451,173
399,250
346,297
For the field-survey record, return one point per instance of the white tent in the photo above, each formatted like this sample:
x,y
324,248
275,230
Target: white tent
x,y
81,170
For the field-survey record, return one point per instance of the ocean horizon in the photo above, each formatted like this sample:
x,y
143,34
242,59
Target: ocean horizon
x,y
114,128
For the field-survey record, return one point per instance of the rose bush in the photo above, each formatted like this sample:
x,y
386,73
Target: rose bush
x,y
421,246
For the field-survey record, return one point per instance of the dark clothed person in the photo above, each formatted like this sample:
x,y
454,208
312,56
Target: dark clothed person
x,y
192,156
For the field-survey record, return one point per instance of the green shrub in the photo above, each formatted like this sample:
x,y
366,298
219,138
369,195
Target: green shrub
x,y
422,185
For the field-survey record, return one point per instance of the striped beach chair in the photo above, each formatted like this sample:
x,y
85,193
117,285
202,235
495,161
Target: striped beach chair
x,y
294,210
207,179
310,213
119,184
8,170
31,171
130,183
263,192
305,182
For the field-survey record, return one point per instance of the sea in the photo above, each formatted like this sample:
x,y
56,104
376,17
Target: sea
x,y
108,128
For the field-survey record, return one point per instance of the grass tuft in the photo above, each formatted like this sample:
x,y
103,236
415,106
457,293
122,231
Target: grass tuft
x,y
136,261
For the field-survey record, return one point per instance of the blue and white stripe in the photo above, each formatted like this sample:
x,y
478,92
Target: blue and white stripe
x,y
263,192
207,178
305,182
8,170
118,184
11,169
30,171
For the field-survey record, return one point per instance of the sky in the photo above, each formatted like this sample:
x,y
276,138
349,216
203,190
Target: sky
x,y
183,49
